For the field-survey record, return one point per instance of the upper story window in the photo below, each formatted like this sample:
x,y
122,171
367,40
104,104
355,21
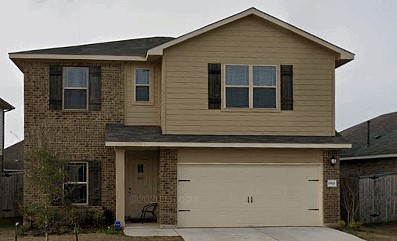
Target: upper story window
x,y
142,85
75,88
250,86
76,185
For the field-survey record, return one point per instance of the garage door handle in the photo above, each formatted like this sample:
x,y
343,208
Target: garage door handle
x,y
248,199
251,200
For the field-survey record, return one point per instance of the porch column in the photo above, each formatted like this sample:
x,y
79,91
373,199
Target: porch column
x,y
167,190
120,195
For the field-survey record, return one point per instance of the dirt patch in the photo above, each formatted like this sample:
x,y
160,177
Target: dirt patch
x,y
7,234
378,232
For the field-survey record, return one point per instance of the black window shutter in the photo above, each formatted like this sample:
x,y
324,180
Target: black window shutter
x,y
94,101
214,86
94,183
55,100
287,102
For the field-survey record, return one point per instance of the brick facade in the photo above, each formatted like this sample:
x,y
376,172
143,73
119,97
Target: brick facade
x,y
331,195
365,167
167,188
72,135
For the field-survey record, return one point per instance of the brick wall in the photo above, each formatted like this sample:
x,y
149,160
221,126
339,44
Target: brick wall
x,y
72,135
331,195
167,193
356,168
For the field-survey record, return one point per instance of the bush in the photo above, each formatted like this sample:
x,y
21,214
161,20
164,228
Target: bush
x,y
341,224
354,225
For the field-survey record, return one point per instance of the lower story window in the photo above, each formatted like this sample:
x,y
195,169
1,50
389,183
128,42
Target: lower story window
x,y
76,185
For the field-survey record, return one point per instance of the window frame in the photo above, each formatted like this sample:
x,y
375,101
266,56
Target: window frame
x,y
251,88
79,183
64,75
150,85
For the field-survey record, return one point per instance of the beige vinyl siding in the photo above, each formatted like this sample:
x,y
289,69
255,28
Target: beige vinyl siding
x,y
244,155
248,41
142,113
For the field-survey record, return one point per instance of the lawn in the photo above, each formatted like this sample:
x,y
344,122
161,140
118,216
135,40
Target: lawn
x,y
378,232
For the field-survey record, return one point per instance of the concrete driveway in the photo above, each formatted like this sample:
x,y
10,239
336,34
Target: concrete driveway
x,y
265,234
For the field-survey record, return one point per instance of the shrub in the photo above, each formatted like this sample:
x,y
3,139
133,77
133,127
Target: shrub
x,y
341,224
354,225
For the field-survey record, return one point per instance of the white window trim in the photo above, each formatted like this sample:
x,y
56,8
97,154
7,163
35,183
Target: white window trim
x,y
76,183
250,87
150,85
64,75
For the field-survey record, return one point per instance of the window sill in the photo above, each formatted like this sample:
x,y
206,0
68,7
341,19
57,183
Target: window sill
x,y
251,110
143,103
75,111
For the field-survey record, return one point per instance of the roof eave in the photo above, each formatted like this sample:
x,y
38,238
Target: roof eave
x,y
16,56
5,105
230,145
368,157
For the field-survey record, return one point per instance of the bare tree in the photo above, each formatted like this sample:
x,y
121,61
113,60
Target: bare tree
x,y
350,198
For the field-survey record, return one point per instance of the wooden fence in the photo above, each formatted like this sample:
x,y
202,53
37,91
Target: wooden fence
x,y
11,193
378,198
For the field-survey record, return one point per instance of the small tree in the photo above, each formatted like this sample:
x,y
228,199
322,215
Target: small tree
x,y
350,198
47,178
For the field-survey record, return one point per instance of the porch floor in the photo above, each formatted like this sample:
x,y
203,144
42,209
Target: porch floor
x,y
147,229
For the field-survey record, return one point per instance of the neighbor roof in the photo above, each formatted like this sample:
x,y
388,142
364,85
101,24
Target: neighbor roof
x,y
5,105
14,156
120,135
382,138
140,49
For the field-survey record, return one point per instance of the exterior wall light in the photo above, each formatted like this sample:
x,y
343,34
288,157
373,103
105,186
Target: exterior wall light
x,y
333,161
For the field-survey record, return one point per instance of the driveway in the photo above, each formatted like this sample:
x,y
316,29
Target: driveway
x,y
265,234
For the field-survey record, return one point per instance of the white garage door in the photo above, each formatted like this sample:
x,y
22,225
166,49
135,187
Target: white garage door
x,y
248,195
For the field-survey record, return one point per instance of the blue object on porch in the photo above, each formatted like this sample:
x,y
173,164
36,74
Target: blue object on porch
x,y
117,225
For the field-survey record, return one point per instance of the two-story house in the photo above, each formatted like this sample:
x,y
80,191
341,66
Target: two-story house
x,y
4,107
230,125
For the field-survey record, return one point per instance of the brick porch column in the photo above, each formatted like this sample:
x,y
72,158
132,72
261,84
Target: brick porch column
x,y
120,195
331,195
167,189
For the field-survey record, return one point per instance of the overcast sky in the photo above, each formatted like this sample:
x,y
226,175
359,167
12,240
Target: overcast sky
x,y
365,87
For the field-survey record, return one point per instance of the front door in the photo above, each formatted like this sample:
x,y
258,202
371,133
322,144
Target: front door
x,y
140,181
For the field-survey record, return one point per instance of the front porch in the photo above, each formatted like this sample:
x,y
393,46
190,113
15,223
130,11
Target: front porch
x,y
148,230
145,176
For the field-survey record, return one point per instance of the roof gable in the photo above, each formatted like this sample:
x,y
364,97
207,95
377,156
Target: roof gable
x,y
344,55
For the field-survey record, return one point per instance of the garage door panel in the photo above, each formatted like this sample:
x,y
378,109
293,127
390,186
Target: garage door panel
x,y
220,195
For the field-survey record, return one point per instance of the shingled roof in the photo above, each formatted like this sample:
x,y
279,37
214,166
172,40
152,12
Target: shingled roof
x,y
130,47
118,134
382,137
5,105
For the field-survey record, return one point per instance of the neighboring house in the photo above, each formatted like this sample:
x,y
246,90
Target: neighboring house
x,y
230,125
4,107
371,165
13,158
